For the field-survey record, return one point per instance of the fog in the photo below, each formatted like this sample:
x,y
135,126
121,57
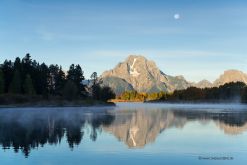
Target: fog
x,y
213,107
136,124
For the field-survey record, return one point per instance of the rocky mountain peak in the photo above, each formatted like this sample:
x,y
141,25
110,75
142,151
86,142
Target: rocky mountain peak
x,y
136,64
231,76
203,84
144,75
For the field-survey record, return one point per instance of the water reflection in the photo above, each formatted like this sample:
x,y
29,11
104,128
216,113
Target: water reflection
x,y
139,127
26,129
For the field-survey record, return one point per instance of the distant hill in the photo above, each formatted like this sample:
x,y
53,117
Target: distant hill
x,y
203,84
227,77
231,76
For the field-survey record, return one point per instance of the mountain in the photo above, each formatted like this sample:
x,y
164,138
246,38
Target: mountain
x,y
227,77
118,85
142,75
203,84
231,76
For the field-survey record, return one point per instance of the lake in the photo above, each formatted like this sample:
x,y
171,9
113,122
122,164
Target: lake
x,y
130,133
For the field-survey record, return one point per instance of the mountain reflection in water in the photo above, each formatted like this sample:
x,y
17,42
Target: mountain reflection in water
x,y
26,128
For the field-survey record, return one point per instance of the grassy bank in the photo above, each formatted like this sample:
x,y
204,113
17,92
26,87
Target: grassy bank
x,y
8,100
120,100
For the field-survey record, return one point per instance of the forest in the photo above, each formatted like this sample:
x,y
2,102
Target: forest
x,y
27,81
230,92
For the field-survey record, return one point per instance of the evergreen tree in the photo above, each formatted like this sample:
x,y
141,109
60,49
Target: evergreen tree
x,y
106,94
96,91
244,95
26,65
56,80
60,81
15,86
28,86
27,60
53,71
70,90
8,72
1,82
94,77
40,79
17,64
75,74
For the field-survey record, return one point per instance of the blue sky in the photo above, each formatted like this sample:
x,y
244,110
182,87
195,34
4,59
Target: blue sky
x,y
208,38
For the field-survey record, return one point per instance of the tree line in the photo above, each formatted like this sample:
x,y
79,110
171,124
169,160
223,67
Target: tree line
x,y
233,91
30,78
136,96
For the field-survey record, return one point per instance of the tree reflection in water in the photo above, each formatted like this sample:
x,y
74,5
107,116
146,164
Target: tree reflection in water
x,y
25,129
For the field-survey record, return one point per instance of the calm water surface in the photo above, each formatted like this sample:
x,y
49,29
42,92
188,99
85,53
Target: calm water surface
x,y
127,134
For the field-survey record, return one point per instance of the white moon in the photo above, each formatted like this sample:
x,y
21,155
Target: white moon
x,y
176,16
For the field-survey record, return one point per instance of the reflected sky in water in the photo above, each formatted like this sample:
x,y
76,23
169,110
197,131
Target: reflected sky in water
x,y
127,134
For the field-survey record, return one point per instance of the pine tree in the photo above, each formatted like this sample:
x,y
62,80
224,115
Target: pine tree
x,y
244,95
17,64
53,71
28,86
60,81
75,74
94,77
8,72
56,79
96,89
106,94
15,85
1,82
41,85
70,90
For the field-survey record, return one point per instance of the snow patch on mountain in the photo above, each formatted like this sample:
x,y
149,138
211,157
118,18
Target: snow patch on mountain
x,y
133,70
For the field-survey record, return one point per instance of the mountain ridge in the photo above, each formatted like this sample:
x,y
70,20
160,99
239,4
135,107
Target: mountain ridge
x,y
142,75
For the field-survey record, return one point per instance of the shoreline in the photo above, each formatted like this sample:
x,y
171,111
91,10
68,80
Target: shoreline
x,y
50,104
198,102
126,101
18,101
182,102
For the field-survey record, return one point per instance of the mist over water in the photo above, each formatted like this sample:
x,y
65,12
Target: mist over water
x,y
170,133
